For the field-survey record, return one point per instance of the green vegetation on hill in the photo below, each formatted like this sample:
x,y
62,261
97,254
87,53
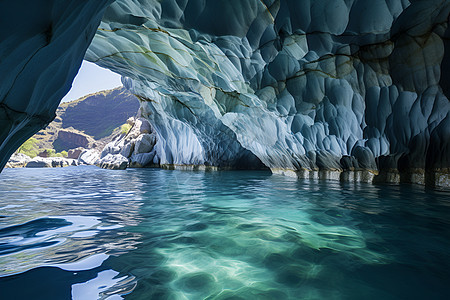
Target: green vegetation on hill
x,y
125,128
98,114
83,122
29,148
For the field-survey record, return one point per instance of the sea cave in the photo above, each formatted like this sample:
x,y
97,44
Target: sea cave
x,y
280,149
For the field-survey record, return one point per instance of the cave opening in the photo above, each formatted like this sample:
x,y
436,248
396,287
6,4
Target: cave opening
x,y
93,113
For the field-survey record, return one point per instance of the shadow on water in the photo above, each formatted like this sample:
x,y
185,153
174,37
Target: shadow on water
x,y
158,234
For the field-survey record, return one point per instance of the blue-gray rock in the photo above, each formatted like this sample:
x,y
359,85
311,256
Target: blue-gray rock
x,y
88,157
292,85
113,162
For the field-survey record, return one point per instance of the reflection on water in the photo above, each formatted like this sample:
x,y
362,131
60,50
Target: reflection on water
x,y
88,233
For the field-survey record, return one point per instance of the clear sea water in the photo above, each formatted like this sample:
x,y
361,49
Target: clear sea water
x,y
88,233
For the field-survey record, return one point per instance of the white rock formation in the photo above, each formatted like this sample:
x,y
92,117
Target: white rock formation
x,y
18,160
88,157
113,162
299,86
137,147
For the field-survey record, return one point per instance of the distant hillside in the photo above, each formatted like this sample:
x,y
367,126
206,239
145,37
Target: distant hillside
x,y
83,122
98,114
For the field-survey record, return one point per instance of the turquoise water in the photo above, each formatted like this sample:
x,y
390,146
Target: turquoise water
x,y
89,233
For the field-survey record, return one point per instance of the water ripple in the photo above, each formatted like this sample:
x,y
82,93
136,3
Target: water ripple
x,y
157,234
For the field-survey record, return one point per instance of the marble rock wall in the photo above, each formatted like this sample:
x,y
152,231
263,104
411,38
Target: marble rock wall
x,y
349,89
299,86
42,45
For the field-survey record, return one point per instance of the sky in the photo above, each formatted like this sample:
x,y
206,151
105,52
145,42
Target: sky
x,y
90,79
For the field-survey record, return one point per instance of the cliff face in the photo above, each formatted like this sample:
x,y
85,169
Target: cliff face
x,y
88,121
300,86
99,114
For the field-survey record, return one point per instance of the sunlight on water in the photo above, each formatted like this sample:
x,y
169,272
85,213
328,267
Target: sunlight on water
x,y
158,234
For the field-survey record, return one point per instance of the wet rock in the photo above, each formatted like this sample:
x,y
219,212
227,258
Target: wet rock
x,y
349,163
144,143
365,158
113,162
141,160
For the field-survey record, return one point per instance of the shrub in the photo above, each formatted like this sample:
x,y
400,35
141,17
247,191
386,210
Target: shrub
x,y
29,148
125,128
63,153
50,152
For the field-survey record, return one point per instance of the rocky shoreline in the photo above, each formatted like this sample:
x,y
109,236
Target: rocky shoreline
x,y
19,160
134,148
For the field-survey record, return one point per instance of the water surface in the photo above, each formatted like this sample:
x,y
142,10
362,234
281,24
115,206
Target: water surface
x,y
89,233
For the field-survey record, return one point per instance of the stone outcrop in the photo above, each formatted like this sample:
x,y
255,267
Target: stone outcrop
x,y
88,157
70,138
18,160
113,162
136,147
356,90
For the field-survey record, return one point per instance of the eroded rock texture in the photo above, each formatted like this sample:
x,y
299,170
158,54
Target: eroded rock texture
x,y
297,86
301,85
42,45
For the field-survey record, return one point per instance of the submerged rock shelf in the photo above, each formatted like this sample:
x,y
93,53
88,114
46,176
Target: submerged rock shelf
x,y
301,87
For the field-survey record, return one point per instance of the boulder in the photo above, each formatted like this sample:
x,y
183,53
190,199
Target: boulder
x,y
144,143
143,125
141,160
128,148
113,148
113,162
88,157
40,162
136,149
